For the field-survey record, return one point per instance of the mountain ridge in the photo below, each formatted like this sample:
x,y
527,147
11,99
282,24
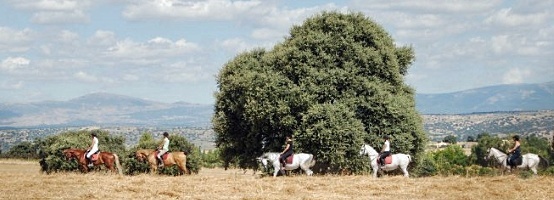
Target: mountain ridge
x,y
115,109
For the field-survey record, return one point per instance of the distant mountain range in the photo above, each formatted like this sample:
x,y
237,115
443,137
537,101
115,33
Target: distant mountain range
x,y
514,97
105,109
113,109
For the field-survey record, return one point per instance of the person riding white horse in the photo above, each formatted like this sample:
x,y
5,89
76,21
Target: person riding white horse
x,y
398,161
303,160
528,160
515,152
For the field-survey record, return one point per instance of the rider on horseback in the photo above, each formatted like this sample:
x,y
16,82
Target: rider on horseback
x,y
163,148
385,151
515,152
93,148
287,152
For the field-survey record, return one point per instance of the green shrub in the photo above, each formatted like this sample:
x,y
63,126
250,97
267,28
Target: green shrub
x,y
425,166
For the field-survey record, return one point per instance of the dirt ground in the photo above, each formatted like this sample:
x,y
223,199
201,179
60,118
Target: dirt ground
x,y
22,180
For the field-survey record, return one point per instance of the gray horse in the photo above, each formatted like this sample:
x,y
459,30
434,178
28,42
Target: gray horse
x,y
303,160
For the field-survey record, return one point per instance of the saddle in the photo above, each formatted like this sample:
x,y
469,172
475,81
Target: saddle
x,y
288,160
514,162
388,160
94,156
164,156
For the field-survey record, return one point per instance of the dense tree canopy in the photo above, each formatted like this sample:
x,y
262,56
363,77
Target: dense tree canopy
x,y
336,82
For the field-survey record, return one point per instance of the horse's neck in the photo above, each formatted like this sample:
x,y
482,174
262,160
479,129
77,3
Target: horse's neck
x,y
272,155
499,155
371,151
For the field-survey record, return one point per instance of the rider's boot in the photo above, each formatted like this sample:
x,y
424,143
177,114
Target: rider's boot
x,y
160,162
89,161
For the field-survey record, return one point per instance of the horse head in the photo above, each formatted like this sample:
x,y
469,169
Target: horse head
x,y
263,159
141,155
367,150
70,153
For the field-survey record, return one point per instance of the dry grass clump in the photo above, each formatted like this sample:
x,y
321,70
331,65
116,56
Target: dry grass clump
x,y
22,180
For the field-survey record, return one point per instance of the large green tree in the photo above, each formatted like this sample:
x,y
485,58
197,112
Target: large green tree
x,y
336,82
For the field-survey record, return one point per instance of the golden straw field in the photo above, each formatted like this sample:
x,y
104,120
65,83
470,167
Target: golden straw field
x,y
22,180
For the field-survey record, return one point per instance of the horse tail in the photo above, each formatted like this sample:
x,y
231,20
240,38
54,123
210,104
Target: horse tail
x,y
117,164
544,161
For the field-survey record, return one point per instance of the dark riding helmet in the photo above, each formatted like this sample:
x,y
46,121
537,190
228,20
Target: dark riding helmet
x,y
386,137
516,137
166,134
93,134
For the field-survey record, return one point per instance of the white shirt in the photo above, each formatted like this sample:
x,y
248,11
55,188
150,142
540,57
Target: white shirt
x,y
386,145
94,144
166,145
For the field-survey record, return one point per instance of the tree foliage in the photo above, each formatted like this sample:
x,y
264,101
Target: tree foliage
x,y
334,83
24,150
450,139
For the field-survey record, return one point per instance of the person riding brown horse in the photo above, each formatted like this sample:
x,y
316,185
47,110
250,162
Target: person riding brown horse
x,y
178,158
106,158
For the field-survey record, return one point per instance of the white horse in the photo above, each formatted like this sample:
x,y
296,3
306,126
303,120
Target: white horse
x,y
303,160
528,160
398,160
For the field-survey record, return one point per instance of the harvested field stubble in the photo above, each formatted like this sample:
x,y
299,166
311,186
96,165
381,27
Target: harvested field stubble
x,y
22,180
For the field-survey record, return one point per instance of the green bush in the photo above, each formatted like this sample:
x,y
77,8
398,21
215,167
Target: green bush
x,y
425,166
23,150
451,160
548,171
211,159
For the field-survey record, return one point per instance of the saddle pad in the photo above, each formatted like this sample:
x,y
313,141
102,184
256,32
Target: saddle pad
x,y
94,156
164,157
388,160
289,159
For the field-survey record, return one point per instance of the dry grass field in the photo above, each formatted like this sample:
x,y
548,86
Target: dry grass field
x,y
22,180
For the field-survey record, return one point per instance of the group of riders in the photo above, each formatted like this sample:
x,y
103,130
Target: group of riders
x,y
163,147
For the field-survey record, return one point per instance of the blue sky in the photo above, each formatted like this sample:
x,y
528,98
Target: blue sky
x,y
172,50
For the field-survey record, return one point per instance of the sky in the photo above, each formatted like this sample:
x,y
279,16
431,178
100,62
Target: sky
x,y
172,50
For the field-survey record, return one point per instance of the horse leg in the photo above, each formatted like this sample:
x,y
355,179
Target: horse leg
x,y
276,171
306,169
405,170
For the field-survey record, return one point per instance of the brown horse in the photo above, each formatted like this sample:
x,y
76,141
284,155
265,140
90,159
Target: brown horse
x,y
178,158
105,158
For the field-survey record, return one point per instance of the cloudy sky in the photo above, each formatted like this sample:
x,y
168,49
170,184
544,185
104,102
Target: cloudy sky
x,y
171,50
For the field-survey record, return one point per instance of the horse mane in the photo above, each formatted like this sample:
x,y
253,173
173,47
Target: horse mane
x,y
499,150
370,148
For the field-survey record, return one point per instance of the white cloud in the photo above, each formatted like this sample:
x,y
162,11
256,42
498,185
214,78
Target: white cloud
x,y
14,64
205,10
425,6
102,38
516,75
9,85
60,17
55,11
235,45
506,17
83,76
155,48
501,44
54,5
13,40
